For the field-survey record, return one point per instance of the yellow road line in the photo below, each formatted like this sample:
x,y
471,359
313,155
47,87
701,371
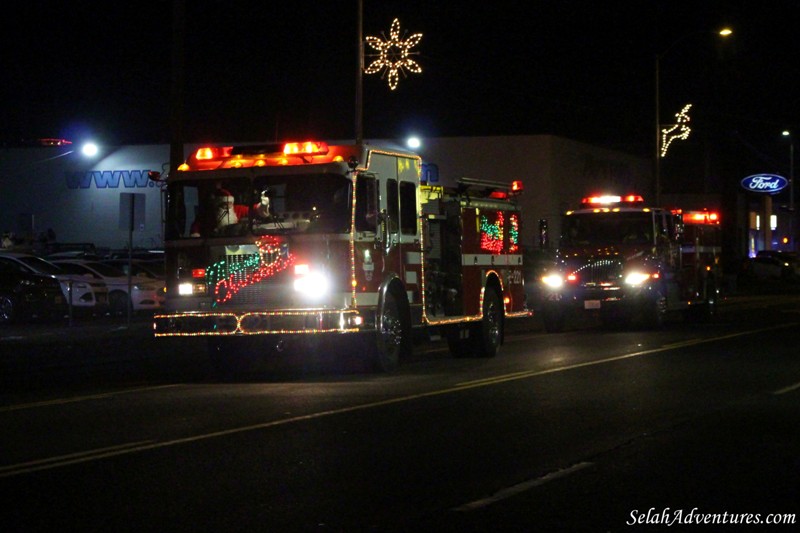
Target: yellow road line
x,y
76,399
126,449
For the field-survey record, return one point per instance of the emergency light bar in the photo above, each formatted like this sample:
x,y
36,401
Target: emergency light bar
x,y
305,148
207,153
610,199
216,157
700,217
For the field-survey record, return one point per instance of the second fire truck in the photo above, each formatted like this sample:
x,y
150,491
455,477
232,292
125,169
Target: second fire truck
x,y
627,262
300,241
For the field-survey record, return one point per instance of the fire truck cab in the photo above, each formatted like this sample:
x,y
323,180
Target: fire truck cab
x,y
287,243
627,262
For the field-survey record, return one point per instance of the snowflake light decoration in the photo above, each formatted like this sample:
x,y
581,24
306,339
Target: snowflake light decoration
x,y
393,55
678,131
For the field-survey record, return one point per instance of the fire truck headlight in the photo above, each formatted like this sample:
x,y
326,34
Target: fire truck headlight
x,y
186,289
554,281
312,284
636,278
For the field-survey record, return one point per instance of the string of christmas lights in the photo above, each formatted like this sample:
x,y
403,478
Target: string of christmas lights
x,y
230,275
393,55
491,238
513,233
678,131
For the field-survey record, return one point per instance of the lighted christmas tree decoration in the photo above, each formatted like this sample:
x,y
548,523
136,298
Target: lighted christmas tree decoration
x,y
393,55
513,234
678,131
491,233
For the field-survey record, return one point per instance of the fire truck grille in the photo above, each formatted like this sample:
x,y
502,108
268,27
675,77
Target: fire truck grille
x,y
599,271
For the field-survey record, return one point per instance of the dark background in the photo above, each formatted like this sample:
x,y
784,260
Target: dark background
x,y
282,70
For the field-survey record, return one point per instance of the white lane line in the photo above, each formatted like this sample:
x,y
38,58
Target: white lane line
x,y
509,492
784,390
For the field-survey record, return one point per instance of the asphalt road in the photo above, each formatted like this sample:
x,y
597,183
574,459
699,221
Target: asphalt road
x,y
588,430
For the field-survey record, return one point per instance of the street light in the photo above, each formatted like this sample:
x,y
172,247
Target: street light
x,y
725,32
788,135
89,149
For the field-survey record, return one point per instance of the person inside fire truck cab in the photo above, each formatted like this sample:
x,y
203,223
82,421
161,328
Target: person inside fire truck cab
x,y
262,208
228,212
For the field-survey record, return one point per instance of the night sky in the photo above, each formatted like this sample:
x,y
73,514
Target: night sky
x,y
281,70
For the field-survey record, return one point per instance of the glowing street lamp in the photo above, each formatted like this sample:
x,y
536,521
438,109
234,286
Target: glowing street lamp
x,y
413,143
89,149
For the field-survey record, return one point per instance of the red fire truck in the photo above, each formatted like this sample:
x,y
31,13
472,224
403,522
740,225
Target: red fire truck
x,y
625,262
287,243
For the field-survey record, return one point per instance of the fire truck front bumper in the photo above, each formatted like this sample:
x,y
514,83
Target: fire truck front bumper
x,y
278,322
607,298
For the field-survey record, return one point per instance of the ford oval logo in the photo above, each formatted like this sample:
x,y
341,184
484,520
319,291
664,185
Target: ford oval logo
x,y
769,183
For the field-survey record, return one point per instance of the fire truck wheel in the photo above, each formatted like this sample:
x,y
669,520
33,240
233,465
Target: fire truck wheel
x,y
490,334
394,336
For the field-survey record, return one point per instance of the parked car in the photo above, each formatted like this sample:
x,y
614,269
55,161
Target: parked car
x,y
146,294
789,262
24,295
88,296
772,264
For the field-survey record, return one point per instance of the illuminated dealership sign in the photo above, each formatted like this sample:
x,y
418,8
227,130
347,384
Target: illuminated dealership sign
x,y
768,183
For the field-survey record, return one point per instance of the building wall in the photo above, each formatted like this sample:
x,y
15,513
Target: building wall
x,y
58,189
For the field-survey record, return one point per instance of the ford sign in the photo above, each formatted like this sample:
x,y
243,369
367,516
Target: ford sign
x,y
769,183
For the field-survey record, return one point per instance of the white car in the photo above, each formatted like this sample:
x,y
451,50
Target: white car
x,y
146,294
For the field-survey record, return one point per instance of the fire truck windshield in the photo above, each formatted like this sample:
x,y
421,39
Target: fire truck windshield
x,y
603,228
219,207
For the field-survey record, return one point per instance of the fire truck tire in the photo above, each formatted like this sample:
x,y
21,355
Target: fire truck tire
x,y
490,333
393,341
